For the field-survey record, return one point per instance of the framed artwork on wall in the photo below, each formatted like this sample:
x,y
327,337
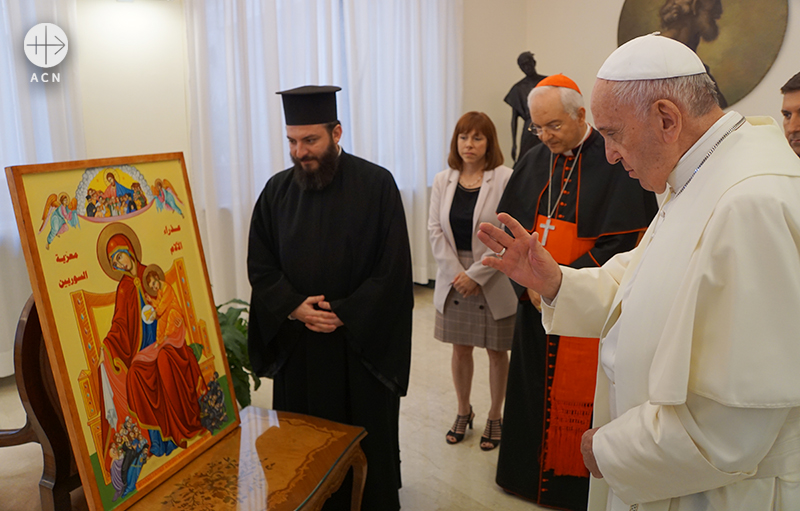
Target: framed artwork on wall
x,y
120,281
737,40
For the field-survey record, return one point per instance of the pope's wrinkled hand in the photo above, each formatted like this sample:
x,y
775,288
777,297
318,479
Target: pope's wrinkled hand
x,y
524,260
587,442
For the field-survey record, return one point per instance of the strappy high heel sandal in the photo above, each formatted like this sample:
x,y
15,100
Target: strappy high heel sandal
x,y
492,434
460,427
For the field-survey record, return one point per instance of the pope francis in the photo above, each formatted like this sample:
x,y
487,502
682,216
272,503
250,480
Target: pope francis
x,y
699,325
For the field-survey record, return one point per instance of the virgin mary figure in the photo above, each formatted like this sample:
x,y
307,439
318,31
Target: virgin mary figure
x,y
159,385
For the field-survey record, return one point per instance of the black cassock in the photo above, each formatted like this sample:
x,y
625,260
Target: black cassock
x,y
614,209
348,242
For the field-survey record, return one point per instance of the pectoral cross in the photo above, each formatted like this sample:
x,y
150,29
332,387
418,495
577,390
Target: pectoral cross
x,y
547,228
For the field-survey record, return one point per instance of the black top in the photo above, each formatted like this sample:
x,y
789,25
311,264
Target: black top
x,y
347,242
461,212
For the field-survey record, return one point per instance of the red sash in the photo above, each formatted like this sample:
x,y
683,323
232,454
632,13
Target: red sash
x,y
563,242
570,403
571,382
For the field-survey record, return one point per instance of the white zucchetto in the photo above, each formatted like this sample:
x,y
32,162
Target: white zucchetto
x,y
650,57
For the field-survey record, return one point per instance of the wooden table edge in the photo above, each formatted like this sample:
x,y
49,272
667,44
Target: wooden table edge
x,y
354,457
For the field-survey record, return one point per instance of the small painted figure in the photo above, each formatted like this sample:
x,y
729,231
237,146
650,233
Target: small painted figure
x,y
61,212
114,189
166,196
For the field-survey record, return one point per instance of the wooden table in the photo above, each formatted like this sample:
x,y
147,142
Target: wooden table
x,y
276,461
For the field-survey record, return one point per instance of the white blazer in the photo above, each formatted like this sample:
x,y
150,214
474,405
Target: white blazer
x,y
496,287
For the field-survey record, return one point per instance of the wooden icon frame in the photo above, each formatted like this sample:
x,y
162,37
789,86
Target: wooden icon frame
x,y
116,263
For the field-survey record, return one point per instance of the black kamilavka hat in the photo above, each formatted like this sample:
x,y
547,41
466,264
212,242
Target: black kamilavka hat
x,y
310,104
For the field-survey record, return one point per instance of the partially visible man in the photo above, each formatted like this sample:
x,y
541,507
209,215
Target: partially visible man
x,y
330,266
586,210
699,323
791,112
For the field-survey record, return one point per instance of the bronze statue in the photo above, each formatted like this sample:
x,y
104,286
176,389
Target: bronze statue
x,y
517,97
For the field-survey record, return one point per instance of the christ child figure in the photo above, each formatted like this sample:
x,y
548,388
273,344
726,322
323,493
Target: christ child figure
x,y
171,325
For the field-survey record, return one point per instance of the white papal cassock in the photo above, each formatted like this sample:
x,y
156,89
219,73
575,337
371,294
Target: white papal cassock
x,y
700,335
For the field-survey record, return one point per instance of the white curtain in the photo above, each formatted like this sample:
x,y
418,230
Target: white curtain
x,y
398,63
404,75
39,123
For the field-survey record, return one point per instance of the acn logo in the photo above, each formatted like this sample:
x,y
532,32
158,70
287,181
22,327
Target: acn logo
x,y
46,45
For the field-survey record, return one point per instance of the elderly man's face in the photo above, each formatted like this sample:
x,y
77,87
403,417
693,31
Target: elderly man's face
x,y
791,119
560,132
629,140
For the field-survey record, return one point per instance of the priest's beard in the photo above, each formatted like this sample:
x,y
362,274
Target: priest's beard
x,y
320,178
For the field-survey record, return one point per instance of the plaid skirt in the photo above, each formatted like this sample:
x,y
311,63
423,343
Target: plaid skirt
x,y
469,322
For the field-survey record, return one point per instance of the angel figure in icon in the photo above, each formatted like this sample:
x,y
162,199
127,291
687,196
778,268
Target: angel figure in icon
x,y
166,197
62,213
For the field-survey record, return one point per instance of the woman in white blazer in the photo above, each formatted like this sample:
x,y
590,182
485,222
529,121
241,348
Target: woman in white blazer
x,y
475,304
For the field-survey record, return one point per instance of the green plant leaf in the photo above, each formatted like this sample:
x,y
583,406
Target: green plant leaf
x,y
241,386
234,300
233,328
232,315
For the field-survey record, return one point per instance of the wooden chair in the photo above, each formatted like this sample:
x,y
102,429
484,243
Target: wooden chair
x,y
45,420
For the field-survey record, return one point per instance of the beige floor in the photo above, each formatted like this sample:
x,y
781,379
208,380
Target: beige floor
x,y
436,476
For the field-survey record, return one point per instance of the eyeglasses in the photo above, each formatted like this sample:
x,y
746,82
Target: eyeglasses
x,y
553,127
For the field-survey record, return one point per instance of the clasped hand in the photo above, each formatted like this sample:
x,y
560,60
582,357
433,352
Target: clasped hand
x,y
317,319
465,285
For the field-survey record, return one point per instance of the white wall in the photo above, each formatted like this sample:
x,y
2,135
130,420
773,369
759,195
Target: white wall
x,y
132,66
574,37
494,36
766,98
132,58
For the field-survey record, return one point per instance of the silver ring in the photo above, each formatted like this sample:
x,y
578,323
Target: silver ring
x,y
500,254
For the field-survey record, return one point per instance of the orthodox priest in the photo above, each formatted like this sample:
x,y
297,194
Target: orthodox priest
x,y
585,211
330,267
